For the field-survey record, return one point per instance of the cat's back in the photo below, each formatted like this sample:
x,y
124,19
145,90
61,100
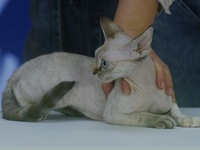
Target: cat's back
x,y
61,59
37,76
53,64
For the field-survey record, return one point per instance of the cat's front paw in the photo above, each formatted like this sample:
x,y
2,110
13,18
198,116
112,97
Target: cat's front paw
x,y
192,122
163,122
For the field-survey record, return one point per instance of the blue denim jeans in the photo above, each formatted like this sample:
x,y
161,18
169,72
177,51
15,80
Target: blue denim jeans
x,y
177,41
73,26
67,25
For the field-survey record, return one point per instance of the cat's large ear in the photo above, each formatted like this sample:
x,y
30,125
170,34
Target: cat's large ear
x,y
144,42
109,28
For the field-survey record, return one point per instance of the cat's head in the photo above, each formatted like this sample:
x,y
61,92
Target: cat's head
x,y
120,53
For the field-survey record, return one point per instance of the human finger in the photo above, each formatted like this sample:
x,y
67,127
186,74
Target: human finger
x,y
107,88
163,75
125,87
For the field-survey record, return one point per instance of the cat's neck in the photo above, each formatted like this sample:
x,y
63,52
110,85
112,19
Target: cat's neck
x,y
143,77
98,86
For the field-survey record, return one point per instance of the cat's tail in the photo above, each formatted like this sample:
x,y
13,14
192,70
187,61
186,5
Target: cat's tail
x,y
36,111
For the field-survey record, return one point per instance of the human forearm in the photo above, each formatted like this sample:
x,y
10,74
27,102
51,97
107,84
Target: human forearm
x,y
134,16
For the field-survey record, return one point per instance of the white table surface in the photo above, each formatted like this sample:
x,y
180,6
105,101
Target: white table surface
x,y
62,133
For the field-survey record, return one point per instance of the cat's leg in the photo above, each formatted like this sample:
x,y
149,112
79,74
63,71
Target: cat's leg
x,y
182,120
39,111
69,111
141,119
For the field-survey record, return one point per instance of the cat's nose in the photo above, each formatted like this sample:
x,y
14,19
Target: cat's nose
x,y
95,70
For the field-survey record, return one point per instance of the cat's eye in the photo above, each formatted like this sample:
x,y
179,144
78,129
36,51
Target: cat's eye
x,y
104,64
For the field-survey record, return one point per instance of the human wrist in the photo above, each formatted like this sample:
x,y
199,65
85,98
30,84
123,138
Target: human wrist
x,y
132,31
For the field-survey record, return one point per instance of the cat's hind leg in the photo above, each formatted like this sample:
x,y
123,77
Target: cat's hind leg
x,y
69,111
182,120
37,111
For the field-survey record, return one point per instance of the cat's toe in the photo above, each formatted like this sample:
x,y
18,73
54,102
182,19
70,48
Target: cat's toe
x,y
192,122
164,122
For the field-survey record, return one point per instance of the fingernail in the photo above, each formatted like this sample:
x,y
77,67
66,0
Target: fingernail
x,y
126,92
173,99
170,91
162,85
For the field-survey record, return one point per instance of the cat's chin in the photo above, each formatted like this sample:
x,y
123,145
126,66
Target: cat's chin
x,y
108,80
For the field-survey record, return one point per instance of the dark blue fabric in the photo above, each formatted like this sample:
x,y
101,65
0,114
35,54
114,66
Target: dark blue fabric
x,y
73,26
67,25
177,42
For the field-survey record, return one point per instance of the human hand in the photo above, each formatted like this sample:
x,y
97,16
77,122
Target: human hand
x,y
163,79
107,87
163,75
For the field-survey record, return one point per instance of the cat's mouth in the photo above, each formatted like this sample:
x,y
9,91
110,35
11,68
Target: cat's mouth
x,y
106,78
103,78
97,72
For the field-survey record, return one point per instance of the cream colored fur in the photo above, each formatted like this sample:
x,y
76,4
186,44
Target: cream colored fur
x,y
119,57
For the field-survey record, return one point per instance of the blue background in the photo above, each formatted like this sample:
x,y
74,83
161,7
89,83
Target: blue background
x,y
14,27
